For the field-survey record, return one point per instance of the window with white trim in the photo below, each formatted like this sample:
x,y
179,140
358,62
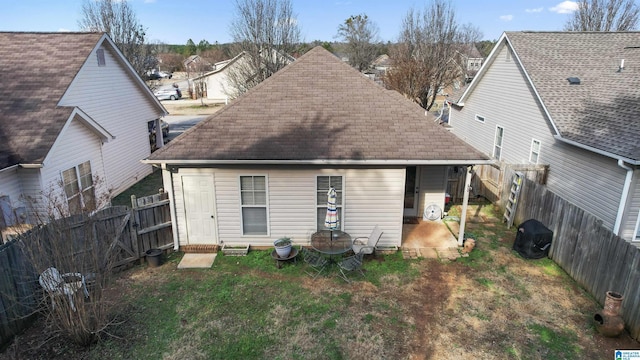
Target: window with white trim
x,y
101,58
535,151
497,143
323,183
79,189
480,118
253,198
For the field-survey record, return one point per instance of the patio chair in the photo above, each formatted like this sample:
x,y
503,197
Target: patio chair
x,y
315,260
367,245
351,264
56,284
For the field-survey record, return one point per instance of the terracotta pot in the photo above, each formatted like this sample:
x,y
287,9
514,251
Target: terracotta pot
x,y
609,326
612,303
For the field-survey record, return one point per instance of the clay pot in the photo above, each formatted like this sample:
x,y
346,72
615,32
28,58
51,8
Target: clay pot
x,y
469,244
612,303
609,326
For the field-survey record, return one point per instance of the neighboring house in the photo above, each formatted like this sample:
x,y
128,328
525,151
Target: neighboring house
x,y
195,63
74,122
261,167
217,85
378,69
569,100
216,82
472,61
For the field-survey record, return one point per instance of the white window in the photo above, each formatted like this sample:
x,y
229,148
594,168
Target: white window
x,y
480,118
253,198
101,59
79,189
497,144
535,151
323,183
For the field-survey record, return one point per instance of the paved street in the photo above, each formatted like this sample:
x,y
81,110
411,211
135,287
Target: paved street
x,y
179,123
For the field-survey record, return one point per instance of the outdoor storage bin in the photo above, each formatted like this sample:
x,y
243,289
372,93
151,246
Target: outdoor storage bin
x,y
533,240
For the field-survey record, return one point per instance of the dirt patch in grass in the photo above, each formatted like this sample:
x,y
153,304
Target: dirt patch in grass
x,y
491,305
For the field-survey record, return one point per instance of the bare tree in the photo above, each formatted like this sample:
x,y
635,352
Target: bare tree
x,y
117,19
429,55
267,32
604,15
74,257
360,34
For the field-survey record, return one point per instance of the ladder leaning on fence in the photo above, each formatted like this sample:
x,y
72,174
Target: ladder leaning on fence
x,y
512,201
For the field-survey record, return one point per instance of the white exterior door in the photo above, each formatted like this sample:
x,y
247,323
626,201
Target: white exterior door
x,y
411,191
199,209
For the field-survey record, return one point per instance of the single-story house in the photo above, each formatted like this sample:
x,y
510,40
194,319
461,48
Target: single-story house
x,y
568,100
218,84
74,123
260,168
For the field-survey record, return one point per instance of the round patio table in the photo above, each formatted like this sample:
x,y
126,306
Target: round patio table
x,y
331,242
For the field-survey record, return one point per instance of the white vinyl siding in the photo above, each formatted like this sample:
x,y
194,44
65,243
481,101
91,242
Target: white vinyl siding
x,y
76,145
520,116
253,200
535,151
118,103
591,181
371,196
433,184
10,185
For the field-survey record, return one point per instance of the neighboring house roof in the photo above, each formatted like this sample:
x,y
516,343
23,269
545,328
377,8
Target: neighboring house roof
x,y
383,61
220,66
37,70
602,113
318,110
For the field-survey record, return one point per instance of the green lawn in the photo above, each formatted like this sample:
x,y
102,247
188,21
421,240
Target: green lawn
x,y
147,186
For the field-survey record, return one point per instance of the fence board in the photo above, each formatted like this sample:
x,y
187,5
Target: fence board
x,y
596,258
110,228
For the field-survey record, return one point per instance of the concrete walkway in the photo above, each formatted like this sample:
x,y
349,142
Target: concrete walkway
x,y
197,261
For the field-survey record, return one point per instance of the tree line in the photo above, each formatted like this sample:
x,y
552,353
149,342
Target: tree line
x,y
429,53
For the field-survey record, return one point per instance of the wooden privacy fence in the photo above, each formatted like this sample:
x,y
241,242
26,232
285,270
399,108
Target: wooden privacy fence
x,y
592,255
125,234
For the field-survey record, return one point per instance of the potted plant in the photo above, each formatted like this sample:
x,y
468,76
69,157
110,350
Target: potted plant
x,y
283,247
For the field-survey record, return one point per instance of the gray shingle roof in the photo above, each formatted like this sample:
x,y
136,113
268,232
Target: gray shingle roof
x,y
602,112
36,68
318,108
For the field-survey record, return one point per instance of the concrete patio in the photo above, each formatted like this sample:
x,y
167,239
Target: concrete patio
x,y
430,239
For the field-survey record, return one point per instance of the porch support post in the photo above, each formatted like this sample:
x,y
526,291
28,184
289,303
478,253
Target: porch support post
x,y
465,202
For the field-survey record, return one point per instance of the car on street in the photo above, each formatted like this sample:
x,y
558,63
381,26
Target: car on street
x,y
168,94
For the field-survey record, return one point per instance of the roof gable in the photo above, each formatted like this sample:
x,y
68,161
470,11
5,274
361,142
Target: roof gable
x,y
318,109
602,112
38,68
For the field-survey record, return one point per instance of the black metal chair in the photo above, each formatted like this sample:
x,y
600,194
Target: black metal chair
x,y
317,262
351,264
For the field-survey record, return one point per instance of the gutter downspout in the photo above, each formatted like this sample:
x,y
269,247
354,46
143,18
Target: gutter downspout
x,y
167,180
623,197
465,202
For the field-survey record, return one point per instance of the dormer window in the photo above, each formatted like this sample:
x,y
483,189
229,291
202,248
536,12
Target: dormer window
x,y
101,60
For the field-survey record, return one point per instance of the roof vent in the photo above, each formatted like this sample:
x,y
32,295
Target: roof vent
x,y
573,80
621,67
